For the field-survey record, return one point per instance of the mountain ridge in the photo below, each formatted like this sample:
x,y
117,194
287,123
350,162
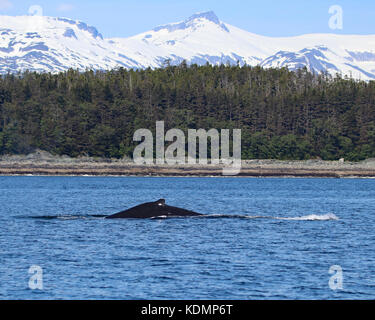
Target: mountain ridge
x,y
50,44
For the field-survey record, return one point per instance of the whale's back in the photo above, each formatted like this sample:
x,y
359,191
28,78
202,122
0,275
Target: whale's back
x,y
153,210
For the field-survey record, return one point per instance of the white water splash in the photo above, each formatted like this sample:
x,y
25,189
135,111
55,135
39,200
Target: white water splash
x,y
313,217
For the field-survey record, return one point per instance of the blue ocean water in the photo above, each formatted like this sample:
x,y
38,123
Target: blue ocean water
x,y
263,238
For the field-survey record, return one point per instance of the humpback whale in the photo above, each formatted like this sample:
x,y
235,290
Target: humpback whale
x,y
153,210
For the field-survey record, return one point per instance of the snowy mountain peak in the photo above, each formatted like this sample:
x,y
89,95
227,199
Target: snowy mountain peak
x,y
43,23
208,15
194,21
49,44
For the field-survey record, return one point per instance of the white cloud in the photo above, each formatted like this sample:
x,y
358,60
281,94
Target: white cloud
x,y
5,4
64,7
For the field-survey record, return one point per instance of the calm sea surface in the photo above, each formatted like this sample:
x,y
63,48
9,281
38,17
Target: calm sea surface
x,y
263,238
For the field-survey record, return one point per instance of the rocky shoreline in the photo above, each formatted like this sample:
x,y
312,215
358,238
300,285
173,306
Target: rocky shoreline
x,y
43,163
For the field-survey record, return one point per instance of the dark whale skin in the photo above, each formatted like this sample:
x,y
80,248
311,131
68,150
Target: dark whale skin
x,y
153,210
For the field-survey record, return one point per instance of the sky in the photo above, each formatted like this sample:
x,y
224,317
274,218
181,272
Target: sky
x,y
123,18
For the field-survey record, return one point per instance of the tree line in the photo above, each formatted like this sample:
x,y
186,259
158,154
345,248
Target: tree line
x,y
283,114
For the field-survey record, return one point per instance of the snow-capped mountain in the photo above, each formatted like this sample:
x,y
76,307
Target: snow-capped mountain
x,y
56,44
46,44
200,39
204,38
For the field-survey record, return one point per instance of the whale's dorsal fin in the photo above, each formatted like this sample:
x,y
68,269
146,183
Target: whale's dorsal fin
x,y
160,202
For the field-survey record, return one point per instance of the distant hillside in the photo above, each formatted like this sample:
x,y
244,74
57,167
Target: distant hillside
x,y
282,114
